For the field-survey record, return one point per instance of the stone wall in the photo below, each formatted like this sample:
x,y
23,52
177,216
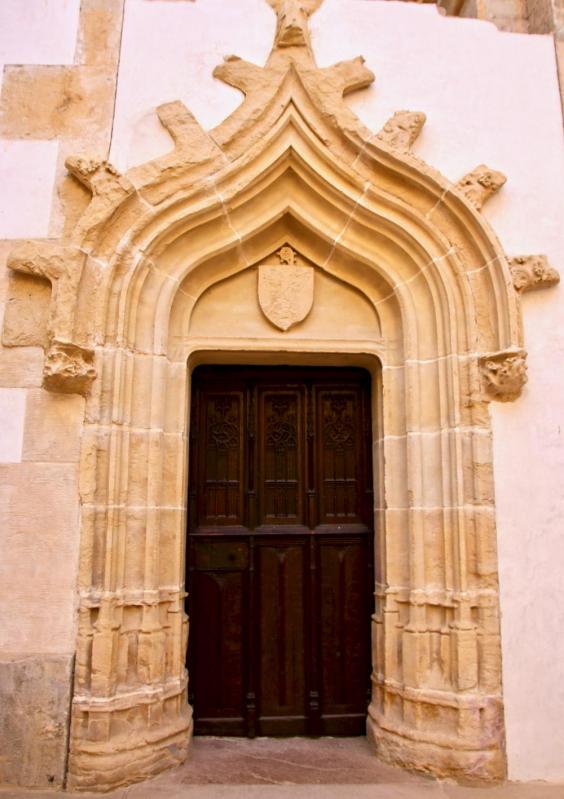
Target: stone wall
x,y
59,62
489,96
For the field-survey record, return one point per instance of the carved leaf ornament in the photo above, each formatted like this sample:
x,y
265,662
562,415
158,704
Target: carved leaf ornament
x,y
338,425
281,426
223,426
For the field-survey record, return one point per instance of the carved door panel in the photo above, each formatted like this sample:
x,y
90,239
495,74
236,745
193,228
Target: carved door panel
x,y
280,551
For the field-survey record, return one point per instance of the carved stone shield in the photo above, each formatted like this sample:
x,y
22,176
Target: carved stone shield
x,y
285,290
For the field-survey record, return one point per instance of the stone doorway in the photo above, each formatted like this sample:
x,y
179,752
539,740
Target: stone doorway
x,y
280,550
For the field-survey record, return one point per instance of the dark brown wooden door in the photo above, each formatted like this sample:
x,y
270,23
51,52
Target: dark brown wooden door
x,y
280,551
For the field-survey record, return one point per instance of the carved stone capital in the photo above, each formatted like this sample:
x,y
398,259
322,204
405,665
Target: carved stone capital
x,y
480,184
401,130
504,374
68,368
532,272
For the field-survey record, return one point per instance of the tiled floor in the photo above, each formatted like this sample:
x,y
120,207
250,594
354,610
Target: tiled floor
x,y
297,768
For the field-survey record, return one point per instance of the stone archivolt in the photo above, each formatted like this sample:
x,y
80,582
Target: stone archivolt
x,y
291,166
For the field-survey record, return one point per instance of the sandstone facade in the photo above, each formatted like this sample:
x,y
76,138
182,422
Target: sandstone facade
x,y
181,259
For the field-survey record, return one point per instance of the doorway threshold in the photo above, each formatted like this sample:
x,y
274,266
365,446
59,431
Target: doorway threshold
x,y
286,761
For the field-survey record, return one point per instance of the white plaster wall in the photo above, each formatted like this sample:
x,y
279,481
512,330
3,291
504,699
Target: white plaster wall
x,y
38,31
12,416
169,51
32,32
27,176
38,528
489,97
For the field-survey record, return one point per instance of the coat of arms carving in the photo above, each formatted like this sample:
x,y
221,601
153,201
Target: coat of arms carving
x,y
285,289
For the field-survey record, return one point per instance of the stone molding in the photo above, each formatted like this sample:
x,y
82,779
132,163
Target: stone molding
x,y
292,166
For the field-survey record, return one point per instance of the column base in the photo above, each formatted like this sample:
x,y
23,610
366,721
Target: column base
x,y
131,757
412,749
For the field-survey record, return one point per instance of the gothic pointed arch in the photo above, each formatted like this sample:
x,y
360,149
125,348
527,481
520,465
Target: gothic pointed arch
x,y
291,168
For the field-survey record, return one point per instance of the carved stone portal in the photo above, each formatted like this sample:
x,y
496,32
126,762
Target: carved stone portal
x,y
291,164
285,289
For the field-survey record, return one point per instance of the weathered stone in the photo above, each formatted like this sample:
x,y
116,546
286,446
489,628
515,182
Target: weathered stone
x,y
53,427
504,374
35,695
45,102
62,266
26,315
532,272
480,184
100,32
401,131
21,368
68,368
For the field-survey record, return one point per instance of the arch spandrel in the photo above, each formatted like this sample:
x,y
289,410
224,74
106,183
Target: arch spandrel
x,y
291,166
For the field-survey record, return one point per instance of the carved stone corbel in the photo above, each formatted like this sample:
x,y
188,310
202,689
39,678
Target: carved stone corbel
x,y
68,368
532,272
401,130
480,184
504,374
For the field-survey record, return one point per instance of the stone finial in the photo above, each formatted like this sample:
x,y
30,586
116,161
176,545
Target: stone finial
x,y
68,368
286,255
292,30
504,374
532,272
480,184
401,130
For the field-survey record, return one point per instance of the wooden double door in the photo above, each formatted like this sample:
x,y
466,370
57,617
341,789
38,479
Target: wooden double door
x,y
280,551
